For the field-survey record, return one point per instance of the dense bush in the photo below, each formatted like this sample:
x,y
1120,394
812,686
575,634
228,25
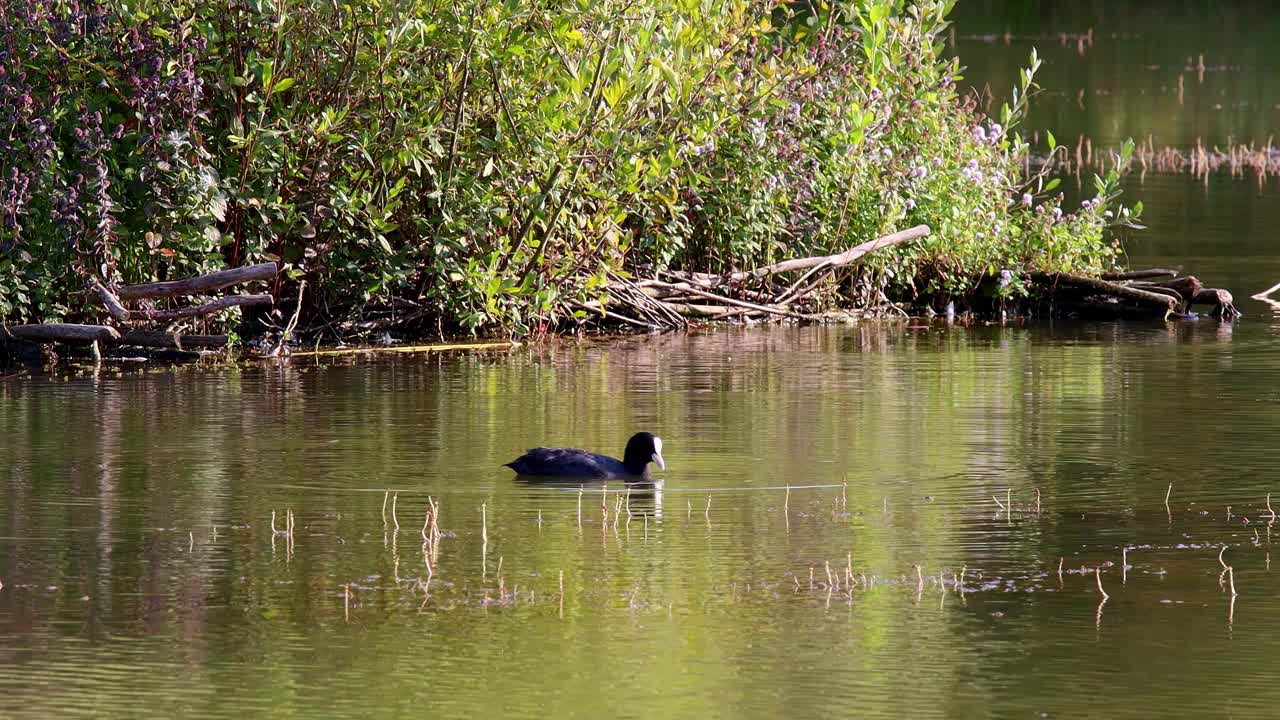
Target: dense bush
x,y
489,164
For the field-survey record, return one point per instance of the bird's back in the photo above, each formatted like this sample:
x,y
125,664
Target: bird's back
x,y
567,462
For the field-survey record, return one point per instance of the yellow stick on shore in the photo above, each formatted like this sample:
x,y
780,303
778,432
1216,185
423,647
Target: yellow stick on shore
x,y
505,345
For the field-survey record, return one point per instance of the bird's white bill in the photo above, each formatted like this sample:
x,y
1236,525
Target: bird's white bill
x,y
657,453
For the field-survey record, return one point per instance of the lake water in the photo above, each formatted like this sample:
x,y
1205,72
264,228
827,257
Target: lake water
x,y
811,471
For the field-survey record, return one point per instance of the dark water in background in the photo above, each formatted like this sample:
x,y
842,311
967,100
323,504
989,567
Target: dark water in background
x,y
141,577
1125,85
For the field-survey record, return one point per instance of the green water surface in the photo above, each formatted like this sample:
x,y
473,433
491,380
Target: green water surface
x,y
141,576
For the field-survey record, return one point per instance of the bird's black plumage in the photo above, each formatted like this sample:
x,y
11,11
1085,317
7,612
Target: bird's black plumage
x,y
642,449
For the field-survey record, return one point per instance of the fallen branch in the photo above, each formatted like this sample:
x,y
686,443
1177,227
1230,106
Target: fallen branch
x,y
837,260
1143,297
200,285
108,299
1140,274
685,287
1265,294
1186,286
64,332
156,339
408,349
221,303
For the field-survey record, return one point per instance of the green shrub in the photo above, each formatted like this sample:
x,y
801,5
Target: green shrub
x,y
489,166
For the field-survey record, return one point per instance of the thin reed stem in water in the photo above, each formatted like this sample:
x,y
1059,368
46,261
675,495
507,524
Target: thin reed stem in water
x,y
1098,574
346,602
579,507
1231,577
562,594
385,496
394,519
1269,510
1220,560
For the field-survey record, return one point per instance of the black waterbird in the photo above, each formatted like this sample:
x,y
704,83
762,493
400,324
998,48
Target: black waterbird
x,y
642,449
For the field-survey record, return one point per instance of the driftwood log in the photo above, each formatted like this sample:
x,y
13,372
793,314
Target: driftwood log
x,y
64,332
115,303
1140,296
156,339
201,285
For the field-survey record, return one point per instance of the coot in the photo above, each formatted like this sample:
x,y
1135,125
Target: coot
x,y
642,449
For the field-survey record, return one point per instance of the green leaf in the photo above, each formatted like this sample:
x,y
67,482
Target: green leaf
x,y
284,85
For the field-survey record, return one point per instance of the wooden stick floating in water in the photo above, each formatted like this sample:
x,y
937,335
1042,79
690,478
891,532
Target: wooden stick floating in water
x,y
410,349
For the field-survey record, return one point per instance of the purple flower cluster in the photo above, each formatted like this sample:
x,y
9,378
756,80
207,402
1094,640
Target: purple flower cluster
x,y
988,137
61,140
